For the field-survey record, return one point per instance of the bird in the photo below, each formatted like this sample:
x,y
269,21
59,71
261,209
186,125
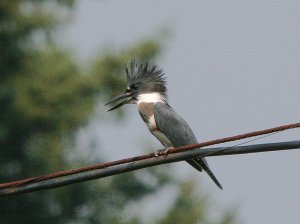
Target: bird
x,y
146,87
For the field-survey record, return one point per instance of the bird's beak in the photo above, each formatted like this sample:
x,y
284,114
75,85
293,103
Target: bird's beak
x,y
126,96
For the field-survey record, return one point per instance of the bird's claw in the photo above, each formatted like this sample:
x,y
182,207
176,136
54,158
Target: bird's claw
x,y
163,152
157,153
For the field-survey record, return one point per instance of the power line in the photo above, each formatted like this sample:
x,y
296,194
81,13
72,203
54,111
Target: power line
x,y
101,170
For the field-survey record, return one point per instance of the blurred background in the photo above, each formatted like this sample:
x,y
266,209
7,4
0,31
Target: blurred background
x,y
232,67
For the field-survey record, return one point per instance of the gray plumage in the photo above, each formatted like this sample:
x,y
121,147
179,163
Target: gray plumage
x,y
147,77
179,133
146,86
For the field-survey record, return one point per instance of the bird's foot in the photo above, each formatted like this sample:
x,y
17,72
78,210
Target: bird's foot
x,y
163,152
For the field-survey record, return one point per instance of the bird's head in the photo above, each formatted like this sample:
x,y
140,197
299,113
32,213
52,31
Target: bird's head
x,y
145,83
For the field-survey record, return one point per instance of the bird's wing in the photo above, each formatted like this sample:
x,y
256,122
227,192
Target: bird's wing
x,y
179,133
173,126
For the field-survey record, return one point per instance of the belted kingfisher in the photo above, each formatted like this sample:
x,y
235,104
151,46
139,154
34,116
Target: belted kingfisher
x,y
146,87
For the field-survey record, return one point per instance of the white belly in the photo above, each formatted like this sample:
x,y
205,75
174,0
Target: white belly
x,y
162,138
159,135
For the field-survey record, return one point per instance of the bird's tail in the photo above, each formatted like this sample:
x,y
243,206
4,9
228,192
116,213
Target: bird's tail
x,y
201,163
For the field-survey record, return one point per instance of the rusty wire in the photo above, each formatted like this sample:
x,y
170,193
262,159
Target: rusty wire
x,y
19,183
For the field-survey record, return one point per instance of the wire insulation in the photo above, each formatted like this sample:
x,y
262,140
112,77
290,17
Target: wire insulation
x,y
20,183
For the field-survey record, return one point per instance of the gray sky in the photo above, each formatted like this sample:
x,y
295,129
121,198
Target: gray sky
x,y
232,67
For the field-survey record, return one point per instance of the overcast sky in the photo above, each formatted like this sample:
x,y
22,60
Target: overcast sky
x,y
232,67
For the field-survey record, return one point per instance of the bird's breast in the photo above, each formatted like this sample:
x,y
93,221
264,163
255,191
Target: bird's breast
x,y
146,111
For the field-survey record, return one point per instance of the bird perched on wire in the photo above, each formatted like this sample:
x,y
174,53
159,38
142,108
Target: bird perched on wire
x,y
146,87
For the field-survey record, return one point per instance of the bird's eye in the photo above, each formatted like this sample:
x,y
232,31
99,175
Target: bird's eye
x,y
134,87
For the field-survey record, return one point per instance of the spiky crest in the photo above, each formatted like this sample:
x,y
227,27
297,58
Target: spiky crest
x,y
149,77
